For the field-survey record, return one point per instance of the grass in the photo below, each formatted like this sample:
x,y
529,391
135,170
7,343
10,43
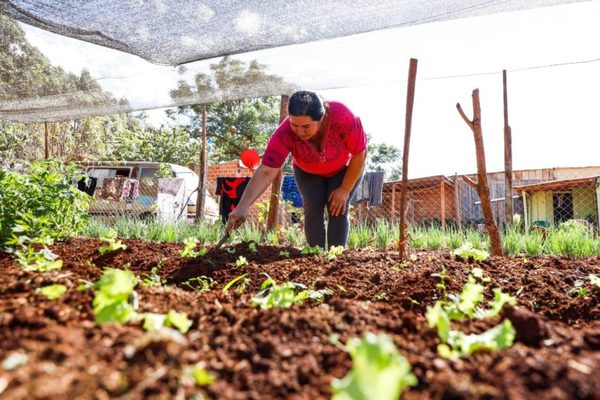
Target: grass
x,y
568,240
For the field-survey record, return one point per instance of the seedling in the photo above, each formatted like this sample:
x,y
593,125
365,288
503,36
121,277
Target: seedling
x,y
38,261
153,279
311,250
333,252
579,290
378,370
442,285
460,345
240,282
113,292
381,296
112,243
252,247
241,261
286,294
180,321
284,253
189,246
480,275
52,292
467,251
230,250
200,375
200,283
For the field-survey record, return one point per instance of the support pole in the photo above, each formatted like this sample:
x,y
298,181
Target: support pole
x,y
508,183
276,186
46,145
482,186
201,195
410,98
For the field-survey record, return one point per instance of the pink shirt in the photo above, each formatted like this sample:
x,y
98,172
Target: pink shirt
x,y
344,138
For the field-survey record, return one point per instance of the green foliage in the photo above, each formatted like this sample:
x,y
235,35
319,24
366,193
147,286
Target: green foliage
x,y
359,236
52,292
252,247
311,250
284,253
241,261
571,239
179,321
112,244
286,294
579,290
378,371
200,283
467,251
43,200
112,296
232,126
384,157
190,245
200,375
459,345
383,234
240,282
333,252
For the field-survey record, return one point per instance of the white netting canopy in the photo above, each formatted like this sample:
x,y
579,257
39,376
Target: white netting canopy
x,y
281,45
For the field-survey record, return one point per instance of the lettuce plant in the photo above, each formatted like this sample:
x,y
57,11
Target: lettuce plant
x,y
595,280
333,252
286,294
240,282
52,292
189,246
112,243
378,371
467,251
112,296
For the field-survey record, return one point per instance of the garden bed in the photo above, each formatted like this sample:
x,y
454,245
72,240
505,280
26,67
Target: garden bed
x,y
285,353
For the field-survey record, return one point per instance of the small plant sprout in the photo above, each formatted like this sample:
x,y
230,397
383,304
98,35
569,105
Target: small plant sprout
x,y
378,370
579,290
52,292
112,294
241,261
153,278
595,280
200,283
315,250
460,345
286,294
199,375
284,253
112,243
38,261
467,251
189,246
442,284
333,252
480,275
252,247
230,250
239,282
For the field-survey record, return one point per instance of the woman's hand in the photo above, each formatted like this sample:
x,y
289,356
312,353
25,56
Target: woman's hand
x,y
236,218
337,201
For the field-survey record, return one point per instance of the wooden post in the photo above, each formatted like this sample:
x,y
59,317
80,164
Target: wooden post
x,y
410,98
46,149
457,204
508,184
276,186
481,186
201,195
393,201
442,204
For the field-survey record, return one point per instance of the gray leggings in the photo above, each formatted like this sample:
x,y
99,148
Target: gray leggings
x,y
315,191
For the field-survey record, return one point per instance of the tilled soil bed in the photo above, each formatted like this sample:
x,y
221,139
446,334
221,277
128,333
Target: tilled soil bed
x,y
285,353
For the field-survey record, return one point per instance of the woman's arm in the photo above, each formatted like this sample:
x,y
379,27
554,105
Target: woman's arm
x,y
261,179
339,197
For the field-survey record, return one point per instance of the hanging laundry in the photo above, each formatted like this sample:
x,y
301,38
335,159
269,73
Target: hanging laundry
x,y
290,192
112,188
230,190
370,189
131,189
87,185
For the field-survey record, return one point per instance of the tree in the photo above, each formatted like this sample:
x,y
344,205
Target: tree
x,y
382,157
235,125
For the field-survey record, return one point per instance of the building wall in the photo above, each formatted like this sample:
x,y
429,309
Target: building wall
x,y
584,203
540,207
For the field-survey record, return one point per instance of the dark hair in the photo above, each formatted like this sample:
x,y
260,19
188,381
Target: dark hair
x,y
307,103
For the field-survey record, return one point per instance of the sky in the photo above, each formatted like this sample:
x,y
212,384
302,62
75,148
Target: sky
x,y
551,55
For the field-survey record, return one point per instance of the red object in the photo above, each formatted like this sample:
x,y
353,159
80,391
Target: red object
x,y
250,158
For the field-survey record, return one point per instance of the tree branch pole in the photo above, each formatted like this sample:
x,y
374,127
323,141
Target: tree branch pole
x,y
410,97
201,195
46,150
482,184
276,186
508,183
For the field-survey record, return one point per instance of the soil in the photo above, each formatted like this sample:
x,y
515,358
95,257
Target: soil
x,y
285,353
